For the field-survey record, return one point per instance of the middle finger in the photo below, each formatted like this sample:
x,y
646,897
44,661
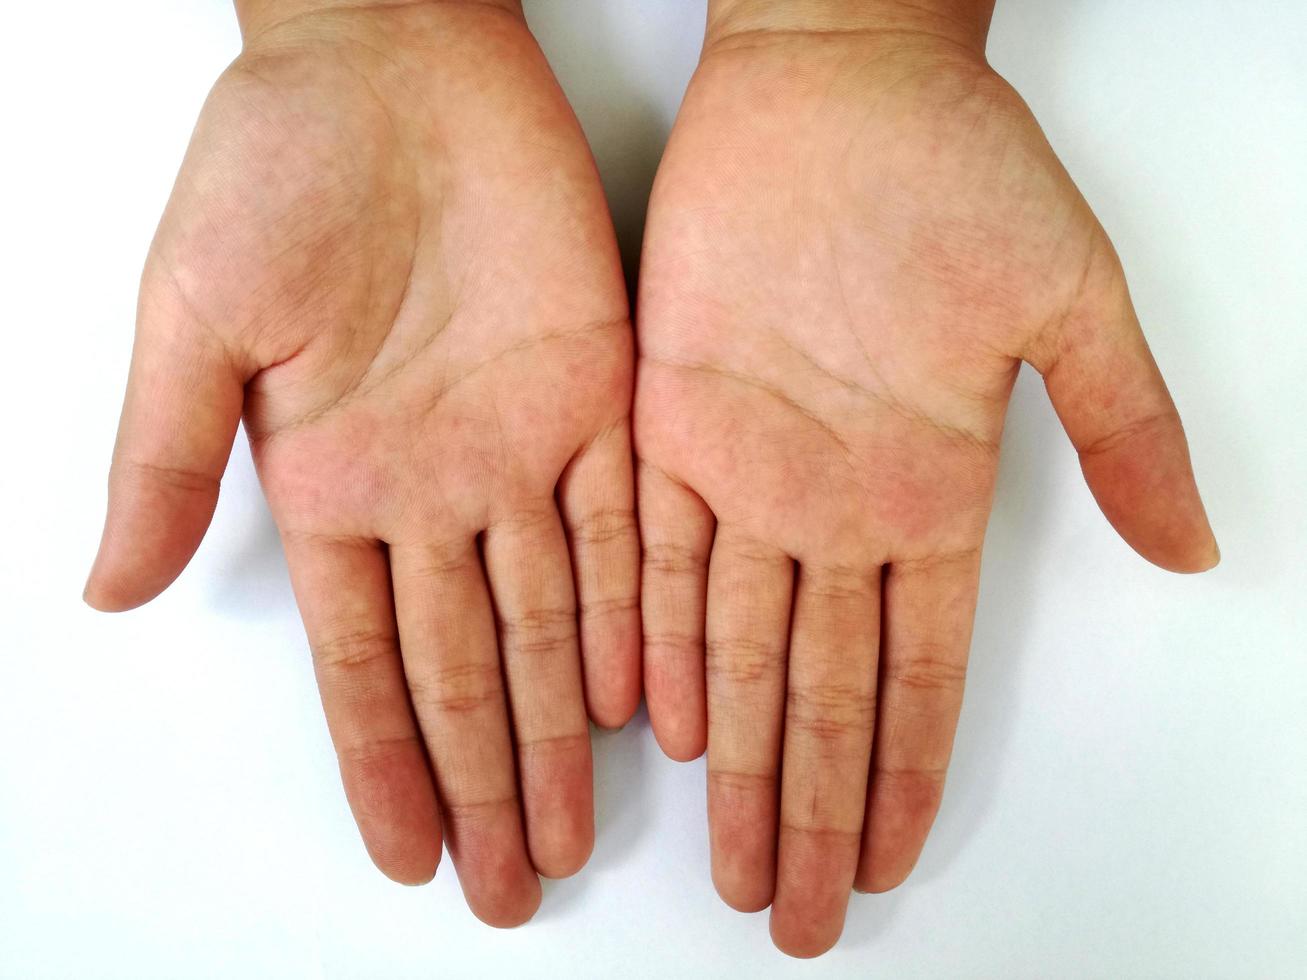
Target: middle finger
x,y
829,718
451,660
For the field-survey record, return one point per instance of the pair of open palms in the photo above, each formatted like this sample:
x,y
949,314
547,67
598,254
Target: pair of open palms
x,y
388,251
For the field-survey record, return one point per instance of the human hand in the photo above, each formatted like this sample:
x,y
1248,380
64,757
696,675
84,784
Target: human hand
x,y
857,234
388,248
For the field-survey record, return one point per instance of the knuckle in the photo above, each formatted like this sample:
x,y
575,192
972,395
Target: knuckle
x,y
928,672
742,661
822,827
540,645
676,561
1123,434
841,584
672,642
457,689
831,712
604,526
473,811
566,745
368,754
593,608
914,787
539,631
525,517
963,558
173,477
446,558
738,782
354,651
824,729
747,549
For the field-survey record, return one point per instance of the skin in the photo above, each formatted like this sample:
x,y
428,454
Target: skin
x,y
857,235
389,253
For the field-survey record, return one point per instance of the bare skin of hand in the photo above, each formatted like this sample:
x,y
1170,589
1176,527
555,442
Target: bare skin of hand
x,y
857,235
388,250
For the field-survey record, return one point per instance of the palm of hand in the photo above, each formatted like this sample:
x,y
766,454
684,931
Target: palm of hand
x,y
400,265
849,252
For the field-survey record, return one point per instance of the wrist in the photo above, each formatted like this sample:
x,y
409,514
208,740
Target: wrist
x,y
965,22
259,16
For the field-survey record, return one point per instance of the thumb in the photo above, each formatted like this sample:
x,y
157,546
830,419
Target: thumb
x,y
1114,405
184,396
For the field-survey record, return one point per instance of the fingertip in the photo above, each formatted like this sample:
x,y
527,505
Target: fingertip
x,y
557,785
1213,556
152,530
613,697
880,881
510,910
404,849
499,882
95,596
679,742
740,896
414,881
1202,558
1148,493
610,723
1206,555
1179,540
411,874
802,942
103,594
396,817
565,861
674,692
678,717
893,841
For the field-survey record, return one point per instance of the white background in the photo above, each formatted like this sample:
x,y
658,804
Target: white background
x,y
1129,793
